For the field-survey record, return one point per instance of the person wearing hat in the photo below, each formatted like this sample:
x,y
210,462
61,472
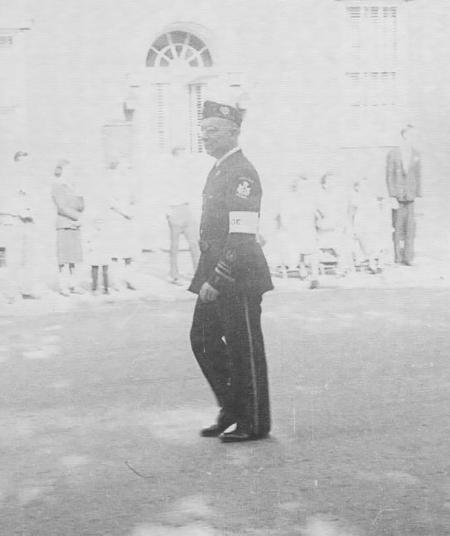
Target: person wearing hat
x,y
231,277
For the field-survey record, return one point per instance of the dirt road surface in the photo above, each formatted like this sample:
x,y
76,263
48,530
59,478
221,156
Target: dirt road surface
x,y
101,407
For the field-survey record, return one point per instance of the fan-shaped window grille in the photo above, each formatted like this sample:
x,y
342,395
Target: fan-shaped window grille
x,y
179,47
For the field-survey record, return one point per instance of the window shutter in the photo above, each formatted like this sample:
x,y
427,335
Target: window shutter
x,y
196,98
371,65
162,116
372,55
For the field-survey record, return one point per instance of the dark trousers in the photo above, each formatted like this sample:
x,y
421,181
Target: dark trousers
x,y
404,231
94,273
182,222
227,342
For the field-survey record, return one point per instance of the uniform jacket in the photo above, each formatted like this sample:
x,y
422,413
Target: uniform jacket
x,y
68,205
403,184
231,260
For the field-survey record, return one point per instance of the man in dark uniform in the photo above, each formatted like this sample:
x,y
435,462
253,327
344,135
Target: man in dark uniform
x,y
231,277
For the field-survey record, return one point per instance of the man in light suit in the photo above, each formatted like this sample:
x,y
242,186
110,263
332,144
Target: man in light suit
x,y
403,178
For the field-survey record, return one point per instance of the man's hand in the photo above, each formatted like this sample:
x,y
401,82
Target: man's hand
x,y
208,293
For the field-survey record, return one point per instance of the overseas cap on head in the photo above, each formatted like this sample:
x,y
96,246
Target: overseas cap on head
x,y
223,111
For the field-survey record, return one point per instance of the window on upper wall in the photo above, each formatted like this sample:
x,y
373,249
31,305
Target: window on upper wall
x,y
174,47
178,105
371,69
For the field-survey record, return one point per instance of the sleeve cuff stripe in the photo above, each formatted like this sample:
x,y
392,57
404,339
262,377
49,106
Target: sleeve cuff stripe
x,y
222,274
224,268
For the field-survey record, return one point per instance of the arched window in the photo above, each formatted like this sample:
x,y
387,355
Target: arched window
x,y
178,100
178,47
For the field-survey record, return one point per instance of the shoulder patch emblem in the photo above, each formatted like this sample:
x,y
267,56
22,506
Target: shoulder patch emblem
x,y
243,190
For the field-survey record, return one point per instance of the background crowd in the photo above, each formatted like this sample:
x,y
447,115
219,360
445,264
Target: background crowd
x,y
322,226
97,230
316,225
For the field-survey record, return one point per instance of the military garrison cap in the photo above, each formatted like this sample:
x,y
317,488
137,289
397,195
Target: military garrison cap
x,y
224,111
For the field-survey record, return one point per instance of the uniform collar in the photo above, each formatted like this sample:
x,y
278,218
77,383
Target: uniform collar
x,y
226,155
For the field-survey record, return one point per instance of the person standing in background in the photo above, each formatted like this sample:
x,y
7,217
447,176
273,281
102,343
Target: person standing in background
x,y
97,246
69,208
180,215
18,234
366,226
332,222
404,184
123,235
297,220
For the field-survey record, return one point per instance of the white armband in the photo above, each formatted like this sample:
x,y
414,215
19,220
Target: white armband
x,y
244,222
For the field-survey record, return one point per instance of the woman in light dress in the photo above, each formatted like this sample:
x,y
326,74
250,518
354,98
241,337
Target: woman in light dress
x,y
332,222
297,222
98,250
121,226
368,223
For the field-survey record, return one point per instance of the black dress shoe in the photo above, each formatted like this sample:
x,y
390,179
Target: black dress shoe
x,y
236,436
215,430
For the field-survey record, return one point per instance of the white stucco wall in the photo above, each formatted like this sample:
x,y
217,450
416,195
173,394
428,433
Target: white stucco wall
x,y
80,52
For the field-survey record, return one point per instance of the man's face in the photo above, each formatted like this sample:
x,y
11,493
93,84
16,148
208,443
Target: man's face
x,y
218,135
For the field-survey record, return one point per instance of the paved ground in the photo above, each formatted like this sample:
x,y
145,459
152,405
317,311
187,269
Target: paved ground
x,y
101,406
151,279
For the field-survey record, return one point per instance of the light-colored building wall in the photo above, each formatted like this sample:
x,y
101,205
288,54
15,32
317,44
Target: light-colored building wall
x,y
429,102
81,57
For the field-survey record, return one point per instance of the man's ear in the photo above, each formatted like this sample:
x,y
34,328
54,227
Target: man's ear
x,y
234,132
